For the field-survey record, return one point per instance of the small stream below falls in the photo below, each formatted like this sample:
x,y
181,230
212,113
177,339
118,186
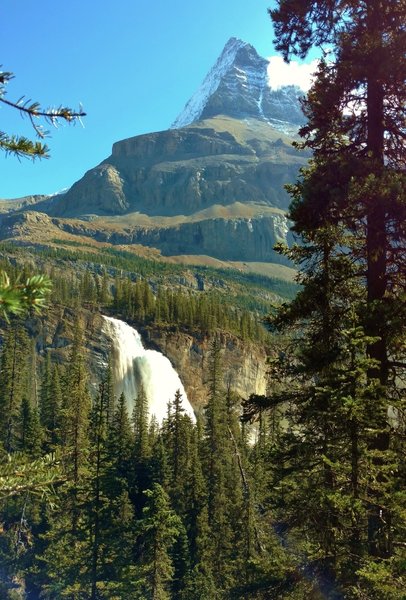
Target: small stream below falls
x,y
133,366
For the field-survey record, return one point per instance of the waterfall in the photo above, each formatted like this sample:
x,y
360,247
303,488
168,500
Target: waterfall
x,y
134,366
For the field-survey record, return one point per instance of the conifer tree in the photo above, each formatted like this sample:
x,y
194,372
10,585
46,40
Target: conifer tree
x,y
348,208
196,491
141,451
200,581
178,428
50,402
107,391
44,396
97,465
157,532
108,509
30,431
105,294
74,428
159,468
118,293
218,459
75,409
120,444
12,376
55,404
140,424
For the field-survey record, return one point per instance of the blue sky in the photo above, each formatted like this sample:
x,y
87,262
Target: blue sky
x,y
132,64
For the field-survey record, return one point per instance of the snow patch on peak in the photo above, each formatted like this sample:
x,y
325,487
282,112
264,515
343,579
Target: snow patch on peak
x,y
194,107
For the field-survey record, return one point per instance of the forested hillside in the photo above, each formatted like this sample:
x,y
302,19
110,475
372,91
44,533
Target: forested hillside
x,y
97,502
127,508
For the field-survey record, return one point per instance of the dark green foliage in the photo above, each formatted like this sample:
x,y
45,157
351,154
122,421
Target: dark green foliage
x,y
196,533
50,403
191,311
141,426
157,533
13,370
30,435
75,409
22,294
312,503
336,460
120,438
99,538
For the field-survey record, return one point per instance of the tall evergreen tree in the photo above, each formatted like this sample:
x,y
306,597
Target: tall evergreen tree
x,y
76,408
157,532
30,431
107,391
200,582
50,402
13,365
218,457
55,404
356,114
179,431
348,207
97,466
141,425
74,424
120,443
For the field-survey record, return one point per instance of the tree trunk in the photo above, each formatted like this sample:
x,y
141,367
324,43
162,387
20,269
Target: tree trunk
x,y
377,246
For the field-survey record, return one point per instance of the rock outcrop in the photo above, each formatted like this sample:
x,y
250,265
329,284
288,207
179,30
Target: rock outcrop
x,y
244,365
238,239
179,172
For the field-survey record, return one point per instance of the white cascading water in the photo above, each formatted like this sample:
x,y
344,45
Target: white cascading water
x,y
134,366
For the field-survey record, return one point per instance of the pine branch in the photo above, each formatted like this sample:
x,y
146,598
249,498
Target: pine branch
x,y
20,146
16,298
34,110
20,475
37,487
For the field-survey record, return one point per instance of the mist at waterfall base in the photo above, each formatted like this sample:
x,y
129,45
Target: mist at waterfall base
x,y
134,366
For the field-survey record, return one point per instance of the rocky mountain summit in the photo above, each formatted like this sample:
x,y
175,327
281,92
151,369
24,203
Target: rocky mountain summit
x,y
212,185
240,86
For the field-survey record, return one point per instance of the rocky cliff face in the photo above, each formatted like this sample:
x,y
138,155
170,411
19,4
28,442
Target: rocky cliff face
x,y
238,239
182,171
244,364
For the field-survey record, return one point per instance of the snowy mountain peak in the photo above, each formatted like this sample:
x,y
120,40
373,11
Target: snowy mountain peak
x,y
233,44
238,86
226,62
